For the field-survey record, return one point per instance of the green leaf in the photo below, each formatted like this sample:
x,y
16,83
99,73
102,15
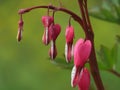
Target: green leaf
x,y
60,62
108,10
104,55
118,38
114,54
108,57
118,56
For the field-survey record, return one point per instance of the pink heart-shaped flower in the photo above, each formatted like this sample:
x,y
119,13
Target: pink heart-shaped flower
x,y
82,52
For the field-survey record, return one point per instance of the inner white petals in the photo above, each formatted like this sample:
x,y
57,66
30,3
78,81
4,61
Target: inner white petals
x,y
66,51
73,73
46,34
52,48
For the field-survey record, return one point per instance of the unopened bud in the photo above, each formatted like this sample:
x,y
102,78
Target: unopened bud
x,y
20,30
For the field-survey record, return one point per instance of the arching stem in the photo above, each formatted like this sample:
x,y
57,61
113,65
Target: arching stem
x,y
73,15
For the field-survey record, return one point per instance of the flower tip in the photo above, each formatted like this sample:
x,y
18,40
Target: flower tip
x,y
53,50
19,35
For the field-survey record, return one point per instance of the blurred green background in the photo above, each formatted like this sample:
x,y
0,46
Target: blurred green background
x,y
25,65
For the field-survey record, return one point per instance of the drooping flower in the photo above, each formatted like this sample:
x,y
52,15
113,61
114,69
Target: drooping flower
x,y
47,21
55,30
20,30
69,34
82,52
80,77
84,82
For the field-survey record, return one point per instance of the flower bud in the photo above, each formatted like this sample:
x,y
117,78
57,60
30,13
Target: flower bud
x,y
20,30
84,82
47,21
82,52
69,34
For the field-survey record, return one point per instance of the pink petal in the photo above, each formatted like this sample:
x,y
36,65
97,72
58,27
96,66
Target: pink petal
x,y
69,34
82,51
47,20
55,31
84,82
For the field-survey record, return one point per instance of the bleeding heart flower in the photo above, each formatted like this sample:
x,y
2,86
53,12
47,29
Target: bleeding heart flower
x,y
82,52
84,82
55,30
80,77
47,21
20,30
69,43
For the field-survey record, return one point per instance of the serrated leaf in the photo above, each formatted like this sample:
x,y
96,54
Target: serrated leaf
x,y
109,10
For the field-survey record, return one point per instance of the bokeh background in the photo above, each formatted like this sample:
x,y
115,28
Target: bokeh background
x,y
26,65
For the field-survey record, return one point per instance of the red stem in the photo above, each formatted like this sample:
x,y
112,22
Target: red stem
x,y
115,72
87,16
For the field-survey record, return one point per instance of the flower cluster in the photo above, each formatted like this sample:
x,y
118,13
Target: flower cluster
x,y
51,33
80,75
